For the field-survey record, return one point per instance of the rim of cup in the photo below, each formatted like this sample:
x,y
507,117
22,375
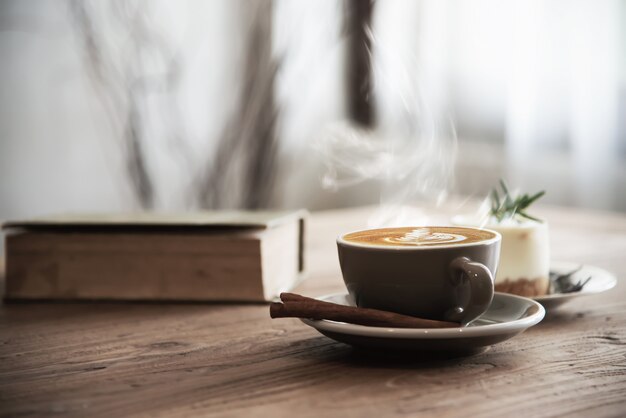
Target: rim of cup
x,y
497,237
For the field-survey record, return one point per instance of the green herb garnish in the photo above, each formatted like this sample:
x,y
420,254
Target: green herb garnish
x,y
564,282
507,206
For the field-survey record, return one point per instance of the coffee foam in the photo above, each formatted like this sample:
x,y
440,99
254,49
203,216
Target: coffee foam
x,y
420,236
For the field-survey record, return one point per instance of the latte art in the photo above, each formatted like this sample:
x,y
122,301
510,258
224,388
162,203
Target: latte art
x,y
424,236
420,236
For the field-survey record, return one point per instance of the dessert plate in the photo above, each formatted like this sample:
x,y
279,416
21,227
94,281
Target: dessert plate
x,y
507,316
600,281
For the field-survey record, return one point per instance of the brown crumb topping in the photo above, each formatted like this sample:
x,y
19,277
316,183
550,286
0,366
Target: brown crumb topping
x,y
523,287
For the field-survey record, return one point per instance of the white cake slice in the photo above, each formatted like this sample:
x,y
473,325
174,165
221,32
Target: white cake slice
x,y
524,267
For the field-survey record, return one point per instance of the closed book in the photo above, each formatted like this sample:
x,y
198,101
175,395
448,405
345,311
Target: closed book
x,y
202,256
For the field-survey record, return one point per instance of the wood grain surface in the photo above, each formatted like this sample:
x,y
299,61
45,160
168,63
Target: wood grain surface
x,y
125,359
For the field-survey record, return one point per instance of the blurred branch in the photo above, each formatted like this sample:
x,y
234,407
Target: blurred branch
x,y
122,87
108,78
241,171
246,153
358,21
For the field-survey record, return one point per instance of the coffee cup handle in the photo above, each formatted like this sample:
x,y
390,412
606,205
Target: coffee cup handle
x,y
481,289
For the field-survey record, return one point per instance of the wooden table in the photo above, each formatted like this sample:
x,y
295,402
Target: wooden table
x,y
233,360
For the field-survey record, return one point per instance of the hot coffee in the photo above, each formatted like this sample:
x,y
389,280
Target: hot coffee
x,y
434,272
420,236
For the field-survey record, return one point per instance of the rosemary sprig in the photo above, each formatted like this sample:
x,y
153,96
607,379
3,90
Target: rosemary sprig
x,y
564,282
507,206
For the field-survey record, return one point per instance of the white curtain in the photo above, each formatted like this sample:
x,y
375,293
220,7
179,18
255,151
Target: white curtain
x,y
543,83
536,90
564,92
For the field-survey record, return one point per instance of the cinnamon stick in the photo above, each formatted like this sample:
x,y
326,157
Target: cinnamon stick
x,y
294,297
297,306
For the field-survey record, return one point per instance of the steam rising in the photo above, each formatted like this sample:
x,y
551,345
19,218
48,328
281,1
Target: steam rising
x,y
410,154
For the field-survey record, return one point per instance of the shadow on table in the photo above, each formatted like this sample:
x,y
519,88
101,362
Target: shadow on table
x,y
358,357
43,312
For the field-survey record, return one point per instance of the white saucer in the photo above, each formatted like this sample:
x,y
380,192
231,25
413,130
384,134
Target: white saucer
x,y
601,281
507,316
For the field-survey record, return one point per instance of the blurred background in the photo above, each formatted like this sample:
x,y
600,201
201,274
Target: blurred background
x,y
161,105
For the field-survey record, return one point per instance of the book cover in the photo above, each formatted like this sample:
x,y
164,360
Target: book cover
x,y
201,256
